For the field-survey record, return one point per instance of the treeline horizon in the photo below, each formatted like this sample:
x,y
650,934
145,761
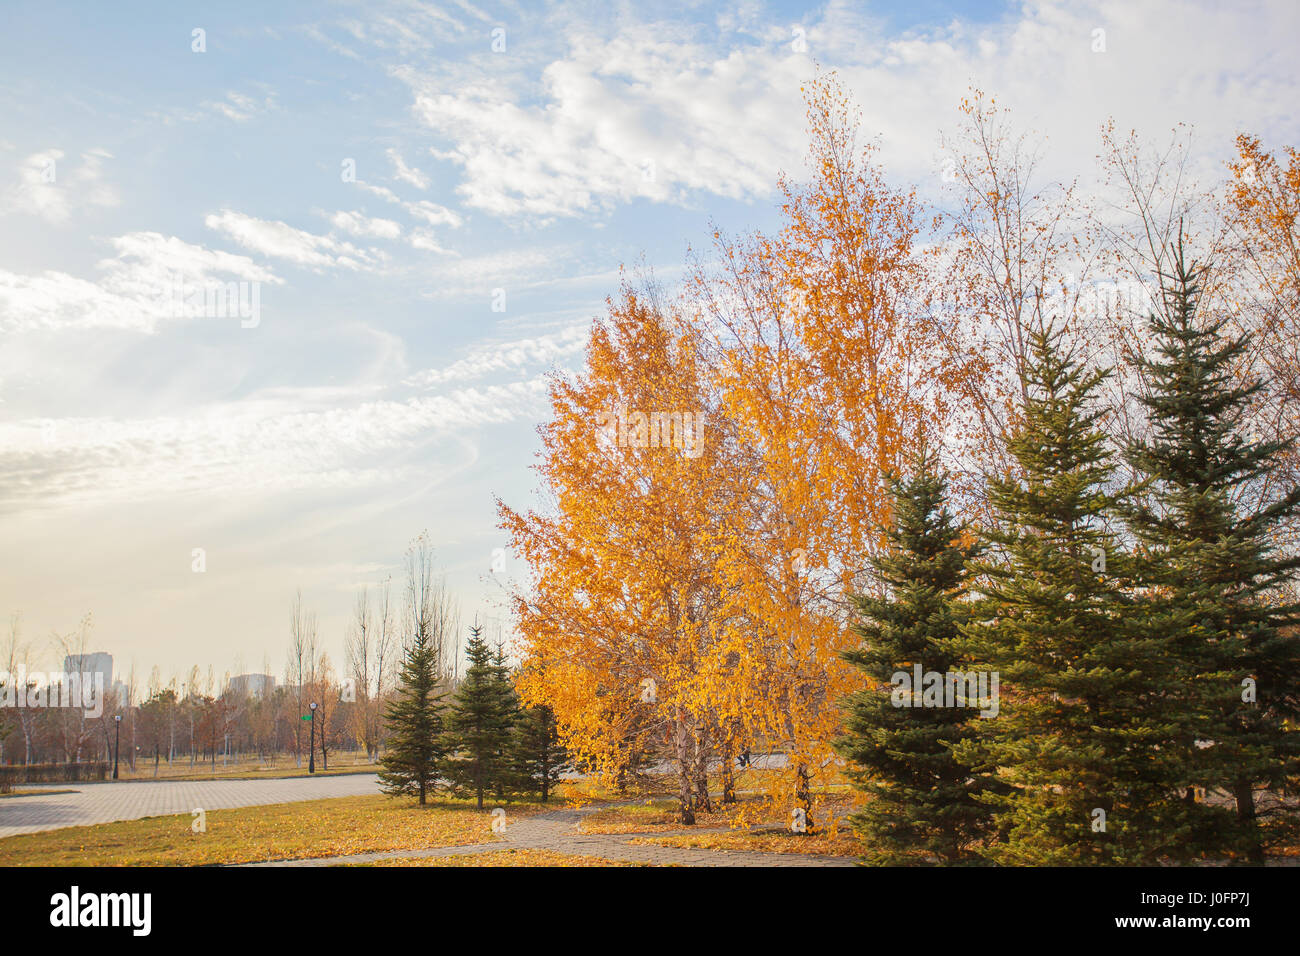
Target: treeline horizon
x,y
191,717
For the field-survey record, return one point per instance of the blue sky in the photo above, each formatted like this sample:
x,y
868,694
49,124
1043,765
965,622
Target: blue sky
x,y
379,393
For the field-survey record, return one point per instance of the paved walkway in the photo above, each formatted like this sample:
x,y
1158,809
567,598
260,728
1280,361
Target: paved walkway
x,y
557,830
110,802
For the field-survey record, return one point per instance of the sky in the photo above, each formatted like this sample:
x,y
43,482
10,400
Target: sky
x,y
417,209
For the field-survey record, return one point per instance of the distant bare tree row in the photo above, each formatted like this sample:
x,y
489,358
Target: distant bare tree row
x,y
198,719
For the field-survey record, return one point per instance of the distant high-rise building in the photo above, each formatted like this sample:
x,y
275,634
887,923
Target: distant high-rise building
x,y
252,685
97,663
101,663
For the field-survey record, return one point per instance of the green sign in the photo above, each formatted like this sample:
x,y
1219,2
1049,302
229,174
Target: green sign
x,y
305,717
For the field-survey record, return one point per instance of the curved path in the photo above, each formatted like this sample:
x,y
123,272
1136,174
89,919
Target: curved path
x,y
557,831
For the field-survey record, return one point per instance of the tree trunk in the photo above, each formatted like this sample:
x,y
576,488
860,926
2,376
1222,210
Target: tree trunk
x,y
702,802
728,772
1245,794
803,795
683,755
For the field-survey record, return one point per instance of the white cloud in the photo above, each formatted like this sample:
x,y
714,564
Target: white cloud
x,y
646,113
358,224
406,173
240,107
430,212
130,290
279,240
658,111
53,190
510,269
423,239
492,357
242,448
434,214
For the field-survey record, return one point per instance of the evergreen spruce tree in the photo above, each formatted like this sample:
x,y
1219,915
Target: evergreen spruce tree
x,y
478,726
414,755
539,757
512,714
1085,732
1215,578
924,803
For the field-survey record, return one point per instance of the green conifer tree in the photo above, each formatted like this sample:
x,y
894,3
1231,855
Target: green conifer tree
x,y
512,713
540,760
1214,575
923,803
1085,729
478,725
414,755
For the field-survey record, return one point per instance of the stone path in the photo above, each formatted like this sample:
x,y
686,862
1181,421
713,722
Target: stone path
x,y
110,802
557,831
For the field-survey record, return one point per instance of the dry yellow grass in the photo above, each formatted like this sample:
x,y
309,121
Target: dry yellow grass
x,y
245,768
512,857
648,817
841,843
309,829
659,814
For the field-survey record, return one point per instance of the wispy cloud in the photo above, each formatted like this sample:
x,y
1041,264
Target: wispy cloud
x,y
279,240
490,358
358,224
241,448
53,190
405,173
130,290
240,107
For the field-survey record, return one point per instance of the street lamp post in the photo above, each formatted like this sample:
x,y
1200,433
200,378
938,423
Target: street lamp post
x,y
311,761
117,741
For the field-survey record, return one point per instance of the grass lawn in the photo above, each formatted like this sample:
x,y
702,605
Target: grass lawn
x,y
652,815
511,857
311,828
244,768
842,843
753,824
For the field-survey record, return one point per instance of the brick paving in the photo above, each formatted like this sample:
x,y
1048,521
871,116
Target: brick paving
x,y
109,802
